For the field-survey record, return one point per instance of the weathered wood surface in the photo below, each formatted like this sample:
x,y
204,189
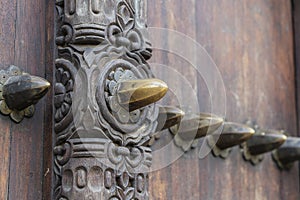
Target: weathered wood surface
x,y
23,28
252,44
48,127
296,18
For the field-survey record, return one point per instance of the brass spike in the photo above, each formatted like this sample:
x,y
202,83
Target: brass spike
x,y
135,94
20,92
262,142
168,116
288,153
198,126
232,134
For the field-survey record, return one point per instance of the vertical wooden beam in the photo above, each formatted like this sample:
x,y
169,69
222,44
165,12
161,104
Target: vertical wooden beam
x,y
48,181
26,166
22,43
296,24
100,150
7,36
296,20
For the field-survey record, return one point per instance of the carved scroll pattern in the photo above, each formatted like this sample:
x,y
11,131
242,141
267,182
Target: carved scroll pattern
x,y
99,148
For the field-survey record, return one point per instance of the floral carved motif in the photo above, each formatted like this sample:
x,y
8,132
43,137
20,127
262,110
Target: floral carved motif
x,y
99,147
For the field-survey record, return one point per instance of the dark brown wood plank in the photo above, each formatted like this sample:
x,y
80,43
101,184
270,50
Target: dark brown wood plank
x,y
252,45
5,152
26,168
49,66
176,16
159,182
7,35
296,17
256,61
180,16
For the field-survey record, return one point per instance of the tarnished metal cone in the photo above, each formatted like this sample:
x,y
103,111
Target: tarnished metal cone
x,y
198,126
288,153
232,134
20,92
265,142
135,94
168,117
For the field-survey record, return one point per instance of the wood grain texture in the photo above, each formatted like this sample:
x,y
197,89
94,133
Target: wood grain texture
x,y
296,17
7,30
251,42
164,184
22,43
48,127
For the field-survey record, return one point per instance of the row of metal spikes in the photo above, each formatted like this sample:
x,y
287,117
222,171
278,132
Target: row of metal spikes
x,y
221,136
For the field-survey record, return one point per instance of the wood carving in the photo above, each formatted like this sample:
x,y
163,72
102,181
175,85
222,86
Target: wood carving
x,y
105,116
100,148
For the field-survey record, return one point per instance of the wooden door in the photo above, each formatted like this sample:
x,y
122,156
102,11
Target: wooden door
x,y
251,43
26,41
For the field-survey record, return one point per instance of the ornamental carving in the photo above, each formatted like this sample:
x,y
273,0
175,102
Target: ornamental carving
x,y
100,150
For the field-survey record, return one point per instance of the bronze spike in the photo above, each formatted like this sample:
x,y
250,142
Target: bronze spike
x,y
231,135
168,116
197,126
234,134
262,142
288,153
20,92
135,94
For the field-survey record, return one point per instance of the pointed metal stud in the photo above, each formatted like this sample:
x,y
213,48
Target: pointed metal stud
x,y
168,116
232,134
135,94
19,92
262,142
288,153
189,130
197,127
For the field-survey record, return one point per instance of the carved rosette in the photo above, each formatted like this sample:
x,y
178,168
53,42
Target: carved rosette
x,y
99,149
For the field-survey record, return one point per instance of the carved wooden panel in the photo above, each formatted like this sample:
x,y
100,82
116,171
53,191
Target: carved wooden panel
x,y
100,150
